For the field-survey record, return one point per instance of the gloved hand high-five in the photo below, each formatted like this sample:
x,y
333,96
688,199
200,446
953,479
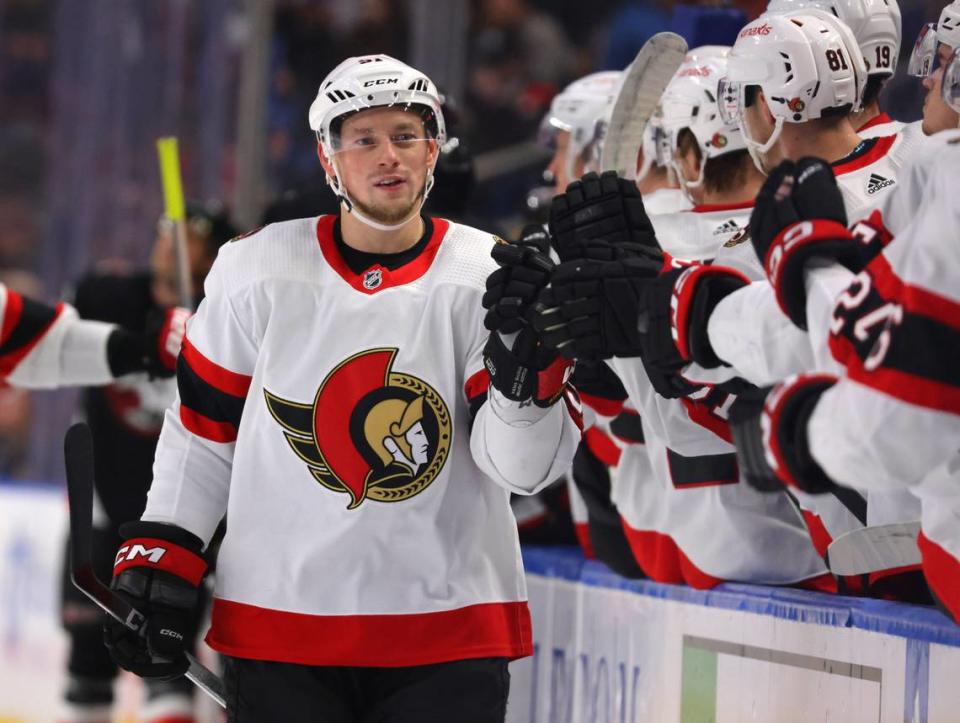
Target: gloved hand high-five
x,y
799,214
600,217
525,267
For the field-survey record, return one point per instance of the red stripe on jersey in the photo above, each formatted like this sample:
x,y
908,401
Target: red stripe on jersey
x,y
879,149
13,315
877,120
704,415
914,299
602,447
486,630
711,207
160,554
601,405
663,560
477,384
213,374
819,535
207,428
410,271
942,571
582,529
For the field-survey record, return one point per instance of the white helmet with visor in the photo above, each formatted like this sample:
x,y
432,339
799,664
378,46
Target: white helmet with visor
x,y
583,110
690,103
374,81
808,65
926,56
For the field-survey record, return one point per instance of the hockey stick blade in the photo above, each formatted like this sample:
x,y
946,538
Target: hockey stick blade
x,y
876,548
78,456
643,83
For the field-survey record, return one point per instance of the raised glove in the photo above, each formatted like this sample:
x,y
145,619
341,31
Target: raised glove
x,y
524,272
527,371
798,215
603,208
592,308
154,350
769,428
158,570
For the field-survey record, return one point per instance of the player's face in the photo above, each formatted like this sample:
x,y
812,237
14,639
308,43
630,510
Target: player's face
x,y
558,164
165,286
383,159
937,115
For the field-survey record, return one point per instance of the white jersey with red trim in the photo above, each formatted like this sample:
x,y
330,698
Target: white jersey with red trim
x,y
328,414
43,347
879,126
665,200
699,233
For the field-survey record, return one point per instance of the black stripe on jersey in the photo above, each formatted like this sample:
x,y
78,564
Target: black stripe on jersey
x,y
596,379
33,321
627,426
205,399
704,470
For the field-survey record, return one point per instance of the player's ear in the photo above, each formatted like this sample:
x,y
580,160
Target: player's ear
x,y
324,161
764,108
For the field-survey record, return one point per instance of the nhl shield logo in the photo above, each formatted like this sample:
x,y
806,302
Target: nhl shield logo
x,y
371,433
372,278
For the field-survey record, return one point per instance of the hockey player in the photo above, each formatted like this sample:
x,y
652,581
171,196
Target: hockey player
x,y
931,54
890,420
342,403
877,29
125,419
655,180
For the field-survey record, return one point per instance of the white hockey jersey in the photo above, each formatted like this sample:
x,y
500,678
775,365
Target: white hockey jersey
x,y
698,233
44,347
328,414
665,200
879,126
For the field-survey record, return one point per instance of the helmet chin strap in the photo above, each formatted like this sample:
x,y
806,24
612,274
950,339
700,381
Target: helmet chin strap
x,y
686,185
340,191
755,149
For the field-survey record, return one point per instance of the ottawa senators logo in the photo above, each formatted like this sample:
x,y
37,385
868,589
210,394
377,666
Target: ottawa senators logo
x,y
371,433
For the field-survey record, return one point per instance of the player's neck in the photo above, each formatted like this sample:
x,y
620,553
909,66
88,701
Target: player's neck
x,y
861,118
830,143
361,236
656,180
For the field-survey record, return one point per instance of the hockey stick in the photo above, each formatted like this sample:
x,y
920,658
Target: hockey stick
x,y
643,83
175,210
78,454
876,548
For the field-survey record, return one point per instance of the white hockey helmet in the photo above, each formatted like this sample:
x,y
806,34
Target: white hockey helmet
x,y
876,24
807,64
372,81
924,58
582,109
950,86
690,102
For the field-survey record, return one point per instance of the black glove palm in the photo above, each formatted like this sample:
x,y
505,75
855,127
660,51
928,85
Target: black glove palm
x,y
512,289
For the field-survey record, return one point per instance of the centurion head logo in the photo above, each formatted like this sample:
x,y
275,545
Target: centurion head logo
x,y
371,433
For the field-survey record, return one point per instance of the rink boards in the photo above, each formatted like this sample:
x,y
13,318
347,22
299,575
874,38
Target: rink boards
x,y
607,649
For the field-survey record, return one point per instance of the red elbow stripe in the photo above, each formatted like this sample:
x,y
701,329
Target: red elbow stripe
x,y
207,428
477,384
213,374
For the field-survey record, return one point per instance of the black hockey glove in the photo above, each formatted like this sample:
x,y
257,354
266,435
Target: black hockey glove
x,y
799,214
524,272
596,212
154,350
527,371
770,424
158,570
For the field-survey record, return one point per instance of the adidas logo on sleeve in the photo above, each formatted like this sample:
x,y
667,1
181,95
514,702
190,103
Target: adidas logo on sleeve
x,y
876,182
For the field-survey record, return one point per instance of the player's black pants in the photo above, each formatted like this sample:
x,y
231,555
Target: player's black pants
x,y
463,691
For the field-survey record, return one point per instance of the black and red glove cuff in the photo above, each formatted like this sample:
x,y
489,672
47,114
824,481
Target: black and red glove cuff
x,y
786,411
162,547
696,293
793,247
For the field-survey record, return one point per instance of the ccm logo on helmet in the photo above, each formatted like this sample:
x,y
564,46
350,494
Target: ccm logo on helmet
x,y
380,81
759,30
132,552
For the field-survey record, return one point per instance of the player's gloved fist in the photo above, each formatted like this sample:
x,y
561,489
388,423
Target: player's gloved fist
x,y
798,215
526,371
524,272
769,427
676,309
163,343
158,570
605,208
591,308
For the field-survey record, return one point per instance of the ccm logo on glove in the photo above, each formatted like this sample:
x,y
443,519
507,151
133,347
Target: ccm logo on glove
x,y
132,552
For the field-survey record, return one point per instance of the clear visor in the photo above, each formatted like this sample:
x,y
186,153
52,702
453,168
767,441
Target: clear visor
x,y
730,101
547,133
370,142
923,59
950,88
663,142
